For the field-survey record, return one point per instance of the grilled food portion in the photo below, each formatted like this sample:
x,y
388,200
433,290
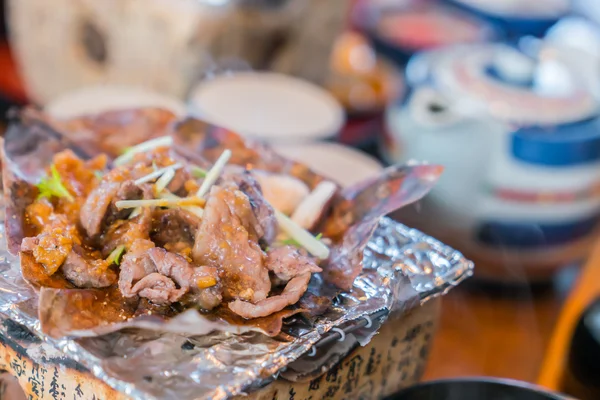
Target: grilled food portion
x,y
159,228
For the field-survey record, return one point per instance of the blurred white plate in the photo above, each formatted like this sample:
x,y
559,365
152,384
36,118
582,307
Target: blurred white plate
x,y
342,164
268,106
96,99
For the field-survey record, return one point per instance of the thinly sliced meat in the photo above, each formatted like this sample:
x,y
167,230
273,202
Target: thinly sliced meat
x,y
96,205
291,294
202,295
287,262
289,265
172,265
99,208
163,277
201,281
158,289
263,211
224,242
126,231
135,265
86,272
261,207
177,183
128,190
174,227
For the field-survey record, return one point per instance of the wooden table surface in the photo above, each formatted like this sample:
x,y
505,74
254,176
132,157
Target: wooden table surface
x,y
518,335
499,332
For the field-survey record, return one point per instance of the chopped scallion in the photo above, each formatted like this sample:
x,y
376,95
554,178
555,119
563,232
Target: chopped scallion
x,y
302,237
164,180
198,172
115,256
291,242
156,174
198,211
136,211
52,186
213,174
148,145
183,201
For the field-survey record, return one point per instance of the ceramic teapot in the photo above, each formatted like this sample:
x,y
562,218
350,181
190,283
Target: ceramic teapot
x,y
520,141
516,18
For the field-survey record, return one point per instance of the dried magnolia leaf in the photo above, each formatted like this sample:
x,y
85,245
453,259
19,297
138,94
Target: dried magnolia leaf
x,y
33,139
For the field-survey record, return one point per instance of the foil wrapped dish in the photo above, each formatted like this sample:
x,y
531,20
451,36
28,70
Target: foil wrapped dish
x,y
177,260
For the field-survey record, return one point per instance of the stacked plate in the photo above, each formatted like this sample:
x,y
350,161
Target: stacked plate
x,y
293,115
102,98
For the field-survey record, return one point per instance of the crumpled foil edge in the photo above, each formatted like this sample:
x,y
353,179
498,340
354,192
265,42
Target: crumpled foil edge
x,y
403,268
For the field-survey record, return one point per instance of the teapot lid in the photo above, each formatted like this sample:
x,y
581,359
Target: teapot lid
x,y
519,9
415,25
500,81
517,18
429,26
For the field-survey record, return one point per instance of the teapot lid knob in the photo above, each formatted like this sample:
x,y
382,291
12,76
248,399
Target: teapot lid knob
x,y
513,66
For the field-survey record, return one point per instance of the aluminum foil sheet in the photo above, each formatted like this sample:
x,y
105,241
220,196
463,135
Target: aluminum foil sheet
x,y
402,268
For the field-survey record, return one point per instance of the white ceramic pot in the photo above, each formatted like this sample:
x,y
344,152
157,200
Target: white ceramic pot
x,y
268,106
520,193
